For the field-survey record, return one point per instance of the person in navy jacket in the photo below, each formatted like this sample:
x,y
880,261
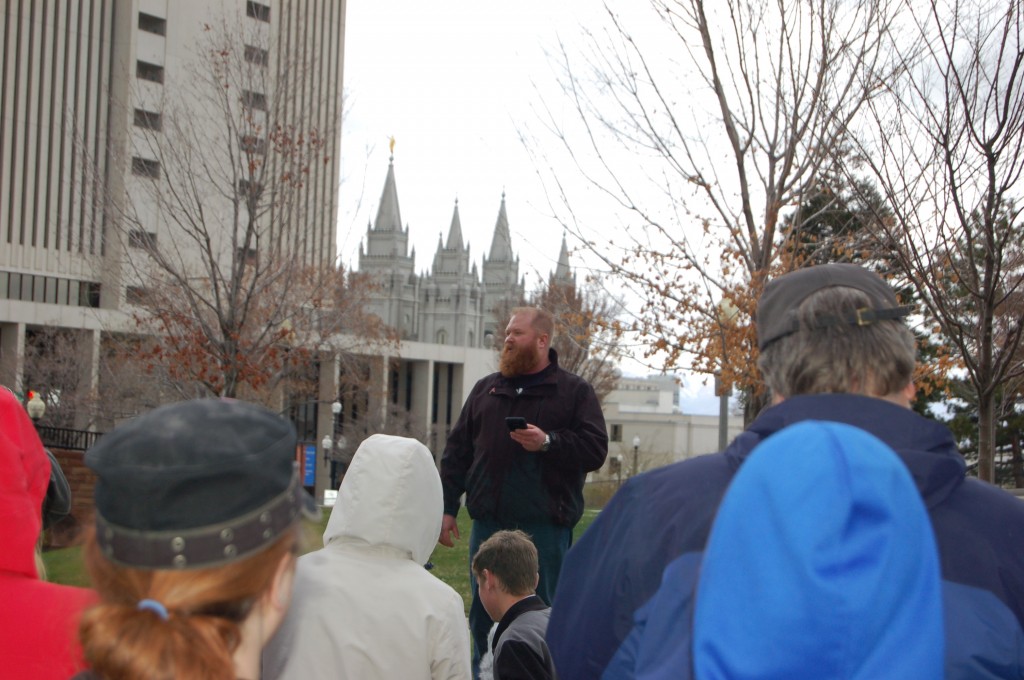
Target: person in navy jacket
x,y
821,564
833,348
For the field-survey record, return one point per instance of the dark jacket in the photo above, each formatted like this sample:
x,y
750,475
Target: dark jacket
x,y
503,482
617,564
520,652
823,532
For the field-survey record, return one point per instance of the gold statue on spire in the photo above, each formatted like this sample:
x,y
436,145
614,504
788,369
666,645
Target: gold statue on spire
x,y
391,144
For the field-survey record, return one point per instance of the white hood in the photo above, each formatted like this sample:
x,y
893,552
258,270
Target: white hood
x,y
391,495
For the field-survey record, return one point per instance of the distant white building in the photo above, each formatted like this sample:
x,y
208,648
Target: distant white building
x,y
646,429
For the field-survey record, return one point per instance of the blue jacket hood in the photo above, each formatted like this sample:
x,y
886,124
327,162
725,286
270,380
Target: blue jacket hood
x,y
821,563
614,569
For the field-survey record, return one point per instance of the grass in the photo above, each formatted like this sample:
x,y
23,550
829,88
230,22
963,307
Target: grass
x,y
451,565
65,566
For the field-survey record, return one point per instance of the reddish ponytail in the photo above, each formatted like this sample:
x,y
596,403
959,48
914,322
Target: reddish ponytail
x,y
201,632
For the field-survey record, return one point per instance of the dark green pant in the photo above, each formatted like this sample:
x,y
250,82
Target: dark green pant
x,y
552,543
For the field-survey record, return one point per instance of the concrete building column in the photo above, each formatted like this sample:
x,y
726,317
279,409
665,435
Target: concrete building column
x,y
12,355
440,389
379,388
422,394
88,346
457,395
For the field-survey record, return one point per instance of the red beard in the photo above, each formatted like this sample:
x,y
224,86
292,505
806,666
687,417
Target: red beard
x,y
517,361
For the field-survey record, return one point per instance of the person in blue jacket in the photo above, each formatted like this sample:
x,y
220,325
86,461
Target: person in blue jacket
x,y
821,564
833,348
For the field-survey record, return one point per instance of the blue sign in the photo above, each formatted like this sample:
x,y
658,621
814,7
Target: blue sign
x,y
309,466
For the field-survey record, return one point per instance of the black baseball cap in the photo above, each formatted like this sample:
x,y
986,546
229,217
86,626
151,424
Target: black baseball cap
x,y
782,297
196,484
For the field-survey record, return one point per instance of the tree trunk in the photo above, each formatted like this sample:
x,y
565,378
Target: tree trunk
x,y
986,436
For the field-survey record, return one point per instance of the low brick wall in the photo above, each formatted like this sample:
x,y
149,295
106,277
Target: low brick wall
x,y
82,482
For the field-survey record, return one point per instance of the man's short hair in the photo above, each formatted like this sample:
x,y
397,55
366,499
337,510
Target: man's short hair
x,y
874,359
543,320
512,557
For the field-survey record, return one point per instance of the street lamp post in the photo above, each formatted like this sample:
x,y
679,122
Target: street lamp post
x,y
340,441
636,452
325,445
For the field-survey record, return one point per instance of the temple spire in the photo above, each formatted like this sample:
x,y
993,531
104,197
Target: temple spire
x,y
501,244
389,217
562,271
455,231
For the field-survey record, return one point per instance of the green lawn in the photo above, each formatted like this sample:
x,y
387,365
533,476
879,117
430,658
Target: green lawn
x,y
451,565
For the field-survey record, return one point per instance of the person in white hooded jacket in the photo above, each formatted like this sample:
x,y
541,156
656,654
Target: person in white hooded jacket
x,y
364,606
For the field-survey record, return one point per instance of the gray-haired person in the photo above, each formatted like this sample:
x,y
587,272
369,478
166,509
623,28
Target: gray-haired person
x,y
833,348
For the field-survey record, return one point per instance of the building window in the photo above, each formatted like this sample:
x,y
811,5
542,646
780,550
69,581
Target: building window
x,y
150,120
89,294
249,190
616,433
252,144
21,287
257,55
247,256
152,24
135,295
442,338
138,238
254,100
144,167
257,10
13,286
147,71
50,291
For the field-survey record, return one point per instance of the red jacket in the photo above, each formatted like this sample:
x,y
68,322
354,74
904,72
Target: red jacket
x,y
38,620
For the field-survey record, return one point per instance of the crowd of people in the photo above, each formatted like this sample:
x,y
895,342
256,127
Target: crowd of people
x,y
839,536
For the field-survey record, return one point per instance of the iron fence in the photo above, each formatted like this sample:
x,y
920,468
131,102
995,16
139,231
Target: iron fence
x,y
65,438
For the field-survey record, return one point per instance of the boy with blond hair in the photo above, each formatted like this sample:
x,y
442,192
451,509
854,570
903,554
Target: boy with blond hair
x,y
506,569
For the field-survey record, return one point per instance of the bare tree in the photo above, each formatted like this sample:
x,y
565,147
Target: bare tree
x,y
239,285
947,150
703,131
54,365
588,333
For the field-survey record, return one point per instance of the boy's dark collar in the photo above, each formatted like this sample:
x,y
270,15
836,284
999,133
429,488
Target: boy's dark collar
x,y
530,603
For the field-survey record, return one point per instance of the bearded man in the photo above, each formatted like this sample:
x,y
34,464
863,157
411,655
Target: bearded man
x,y
525,475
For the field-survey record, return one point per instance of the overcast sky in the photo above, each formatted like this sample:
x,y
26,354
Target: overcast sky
x,y
453,82
450,82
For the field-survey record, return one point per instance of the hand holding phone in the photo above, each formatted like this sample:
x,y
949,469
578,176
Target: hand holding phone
x,y
515,423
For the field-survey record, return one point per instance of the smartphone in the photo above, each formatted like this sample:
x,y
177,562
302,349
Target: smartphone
x,y
515,423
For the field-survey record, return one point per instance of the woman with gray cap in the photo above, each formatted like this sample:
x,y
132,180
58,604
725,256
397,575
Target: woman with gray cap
x,y
193,552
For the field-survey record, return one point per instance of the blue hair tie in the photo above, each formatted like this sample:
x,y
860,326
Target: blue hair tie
x,y
153,606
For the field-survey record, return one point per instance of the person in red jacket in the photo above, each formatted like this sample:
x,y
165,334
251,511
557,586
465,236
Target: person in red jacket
x,y
38,620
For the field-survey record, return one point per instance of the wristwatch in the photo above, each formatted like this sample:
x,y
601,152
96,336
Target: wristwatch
x,y
547,442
